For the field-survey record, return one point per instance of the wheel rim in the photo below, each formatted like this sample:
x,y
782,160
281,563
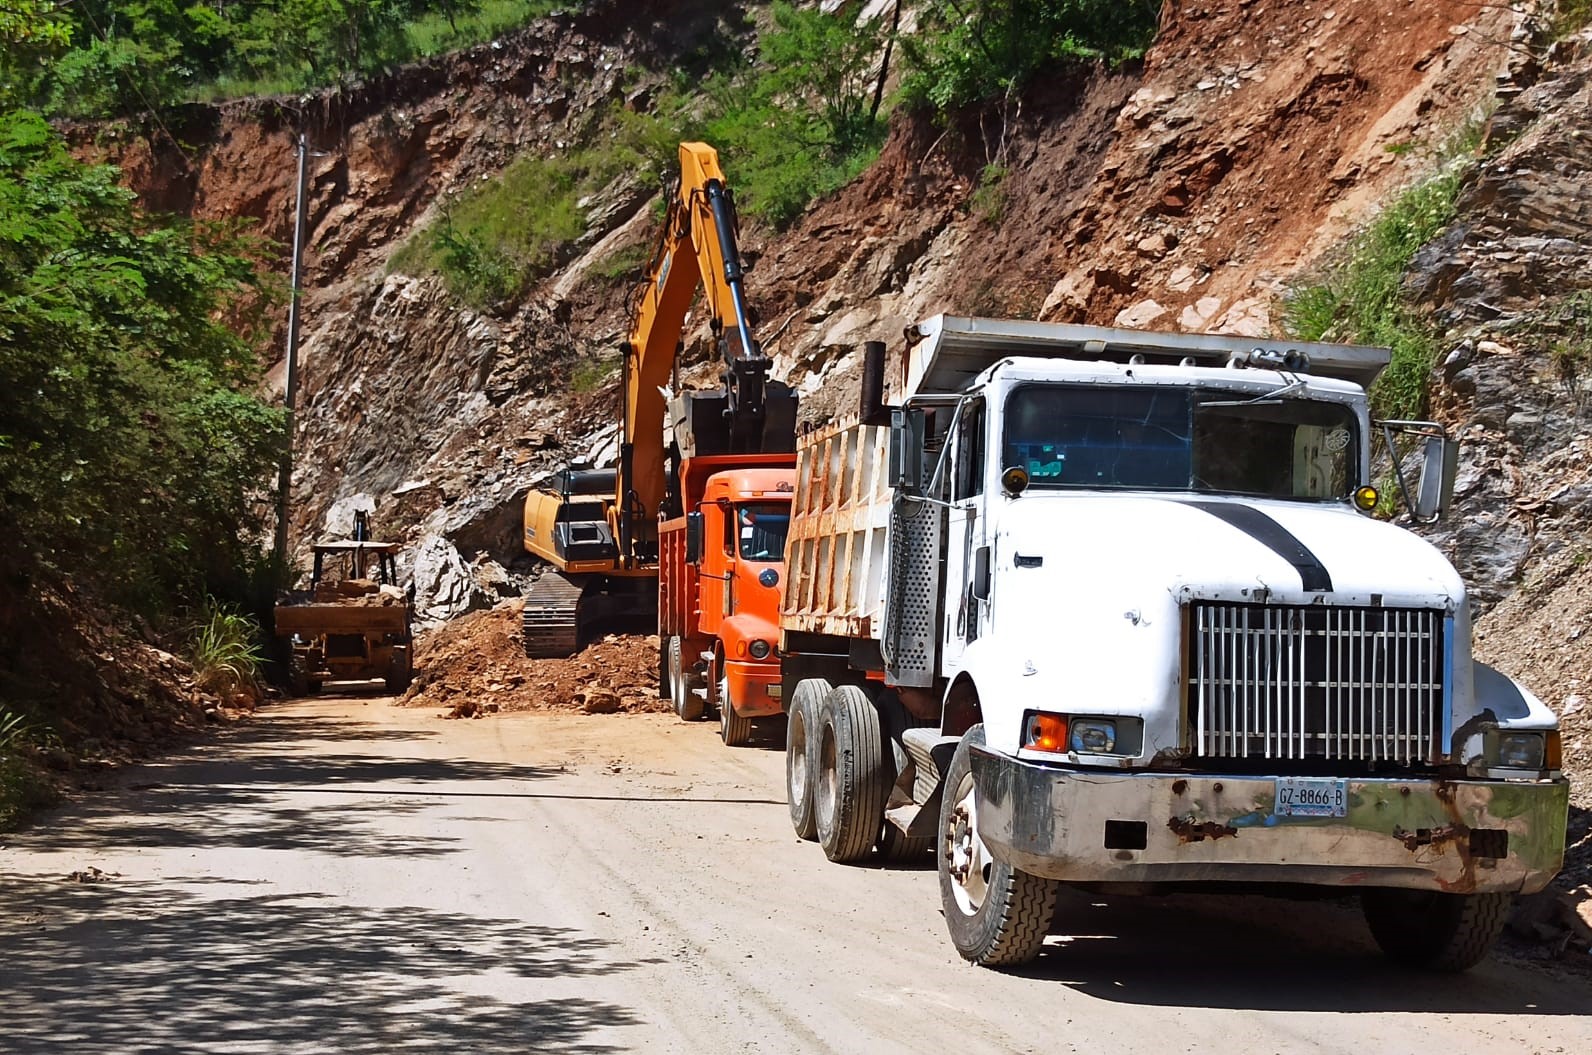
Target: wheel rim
x,y
967,859
726,711
796,759
677,685
826,774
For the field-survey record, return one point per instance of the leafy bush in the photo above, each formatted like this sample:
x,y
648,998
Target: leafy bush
x,y
132,454
493,240
22,787
1359,299
124,56
801,122
965,53
227,656
1571,16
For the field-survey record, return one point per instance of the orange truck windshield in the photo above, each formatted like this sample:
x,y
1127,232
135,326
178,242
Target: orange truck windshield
x,y
761,528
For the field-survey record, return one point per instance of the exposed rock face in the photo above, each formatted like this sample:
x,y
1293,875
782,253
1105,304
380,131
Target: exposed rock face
x,y
1512,279
1179,194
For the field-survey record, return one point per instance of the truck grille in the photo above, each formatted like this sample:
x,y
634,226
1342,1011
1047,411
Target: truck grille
x,y
1312,682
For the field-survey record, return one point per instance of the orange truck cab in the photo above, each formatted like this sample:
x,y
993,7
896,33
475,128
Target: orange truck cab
x,y
720,581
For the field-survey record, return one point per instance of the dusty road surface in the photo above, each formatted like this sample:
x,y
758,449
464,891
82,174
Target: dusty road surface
x,y
346,876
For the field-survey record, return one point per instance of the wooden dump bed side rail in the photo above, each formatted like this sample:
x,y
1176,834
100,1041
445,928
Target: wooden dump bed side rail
x,y
835,553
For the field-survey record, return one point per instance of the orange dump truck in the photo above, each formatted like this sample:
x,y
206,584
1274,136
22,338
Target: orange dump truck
x,y
721,566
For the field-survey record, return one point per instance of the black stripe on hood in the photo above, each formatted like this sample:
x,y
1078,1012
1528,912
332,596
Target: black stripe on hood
x,y
1266,531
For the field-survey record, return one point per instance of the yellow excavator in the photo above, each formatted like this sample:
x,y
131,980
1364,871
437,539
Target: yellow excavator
x,y
598,528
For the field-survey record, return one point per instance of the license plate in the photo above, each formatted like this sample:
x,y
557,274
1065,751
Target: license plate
x,y
1311,797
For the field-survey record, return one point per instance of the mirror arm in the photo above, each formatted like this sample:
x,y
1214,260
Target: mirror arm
x,y
1398,466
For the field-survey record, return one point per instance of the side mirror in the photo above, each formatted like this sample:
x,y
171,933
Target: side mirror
x,y
1434,489
693,537
906,450
1439,466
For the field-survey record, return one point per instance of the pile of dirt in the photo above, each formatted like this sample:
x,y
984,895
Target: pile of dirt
x,y
82,690
476,665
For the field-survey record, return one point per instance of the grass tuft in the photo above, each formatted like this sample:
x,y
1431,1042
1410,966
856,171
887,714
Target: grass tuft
x,y
226,652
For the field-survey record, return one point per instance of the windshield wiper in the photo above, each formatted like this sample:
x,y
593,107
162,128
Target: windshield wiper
x,y
1276,395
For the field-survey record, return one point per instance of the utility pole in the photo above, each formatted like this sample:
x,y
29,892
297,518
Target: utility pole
x,y
284,481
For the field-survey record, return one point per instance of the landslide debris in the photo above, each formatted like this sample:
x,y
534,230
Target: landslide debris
x,y
476,665
89,691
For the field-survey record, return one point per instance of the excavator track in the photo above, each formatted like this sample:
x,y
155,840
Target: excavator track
x,y
552,616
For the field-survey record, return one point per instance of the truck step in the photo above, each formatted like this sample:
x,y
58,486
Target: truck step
x,y
931,755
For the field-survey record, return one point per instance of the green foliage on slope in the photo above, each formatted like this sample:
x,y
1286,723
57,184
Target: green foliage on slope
x,y
968,52
132,442
493,239
801,120
1360,299
118,57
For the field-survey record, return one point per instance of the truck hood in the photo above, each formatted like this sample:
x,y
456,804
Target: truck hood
x,y
1215,548
1089,591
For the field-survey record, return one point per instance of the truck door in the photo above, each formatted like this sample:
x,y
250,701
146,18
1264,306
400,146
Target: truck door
x,y
718,561
964,612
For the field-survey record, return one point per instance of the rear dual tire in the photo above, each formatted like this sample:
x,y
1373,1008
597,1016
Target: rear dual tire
x,y
682,679
801,755
852,775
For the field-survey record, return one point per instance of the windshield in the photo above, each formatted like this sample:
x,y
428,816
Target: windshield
x,y
1180,439
761,527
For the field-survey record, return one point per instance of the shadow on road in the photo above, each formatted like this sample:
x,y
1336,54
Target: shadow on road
x,y
1266,954
248,789
147,967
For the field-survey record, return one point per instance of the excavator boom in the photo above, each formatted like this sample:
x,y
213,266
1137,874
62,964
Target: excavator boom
x,y
606,545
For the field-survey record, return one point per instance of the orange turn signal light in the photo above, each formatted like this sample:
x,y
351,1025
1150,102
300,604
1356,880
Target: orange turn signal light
x,y
1553,752
1366,497
1045,732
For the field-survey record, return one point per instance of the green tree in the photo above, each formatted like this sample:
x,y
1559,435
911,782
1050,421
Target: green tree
x,y
970,50
33,24
132,445
800,124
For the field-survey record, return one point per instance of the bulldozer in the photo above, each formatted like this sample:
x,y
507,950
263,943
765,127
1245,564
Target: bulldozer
x,y
353,623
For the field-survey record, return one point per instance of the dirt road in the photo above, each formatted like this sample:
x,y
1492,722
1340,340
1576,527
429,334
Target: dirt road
x,y
348,876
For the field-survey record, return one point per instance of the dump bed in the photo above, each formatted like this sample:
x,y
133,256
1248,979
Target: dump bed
x,y
837,552
945,352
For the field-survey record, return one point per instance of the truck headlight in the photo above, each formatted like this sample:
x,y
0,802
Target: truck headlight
x,y
1520,750
759,649
1064,734
1094,736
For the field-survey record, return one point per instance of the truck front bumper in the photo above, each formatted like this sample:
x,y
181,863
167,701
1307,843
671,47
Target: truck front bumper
x,y
1459,836
754,686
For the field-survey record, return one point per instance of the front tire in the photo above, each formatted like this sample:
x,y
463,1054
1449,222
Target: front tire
x,y
399,670
734,730
1435,931
800,754
853,780
997,915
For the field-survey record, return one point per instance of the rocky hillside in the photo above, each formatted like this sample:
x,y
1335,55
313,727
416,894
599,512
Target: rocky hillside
x,y
1188,192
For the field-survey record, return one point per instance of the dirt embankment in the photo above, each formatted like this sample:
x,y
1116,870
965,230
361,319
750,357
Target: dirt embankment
x,y
476,665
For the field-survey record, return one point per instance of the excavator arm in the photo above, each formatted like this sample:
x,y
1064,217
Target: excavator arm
x,y
697,248
599,527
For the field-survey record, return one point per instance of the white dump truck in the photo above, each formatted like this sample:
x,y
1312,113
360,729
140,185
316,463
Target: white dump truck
x,y
1108,608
